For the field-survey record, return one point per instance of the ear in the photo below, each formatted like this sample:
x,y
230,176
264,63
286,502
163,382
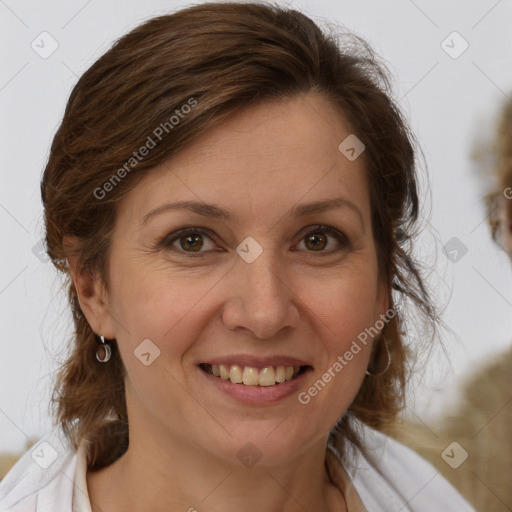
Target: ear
x,y
91,293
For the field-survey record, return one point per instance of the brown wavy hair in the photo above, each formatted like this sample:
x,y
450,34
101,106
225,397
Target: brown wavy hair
x,y
224,56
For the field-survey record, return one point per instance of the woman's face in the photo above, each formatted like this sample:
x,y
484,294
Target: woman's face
x,y
273,273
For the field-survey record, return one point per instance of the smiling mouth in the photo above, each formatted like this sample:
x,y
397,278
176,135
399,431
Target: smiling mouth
x,y
250,376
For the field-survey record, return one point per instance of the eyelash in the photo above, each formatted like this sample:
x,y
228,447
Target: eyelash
x,y
167,241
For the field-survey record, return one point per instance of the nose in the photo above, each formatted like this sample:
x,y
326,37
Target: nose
x,y
260,298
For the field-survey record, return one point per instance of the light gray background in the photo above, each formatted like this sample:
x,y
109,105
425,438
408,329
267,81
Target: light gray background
x,y
450,102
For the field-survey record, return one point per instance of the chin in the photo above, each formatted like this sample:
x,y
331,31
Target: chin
x,y
271,444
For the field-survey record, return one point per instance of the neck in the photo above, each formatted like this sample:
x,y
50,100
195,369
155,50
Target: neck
x,y
155,475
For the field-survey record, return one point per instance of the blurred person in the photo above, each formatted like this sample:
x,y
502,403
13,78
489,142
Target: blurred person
x,y
481,423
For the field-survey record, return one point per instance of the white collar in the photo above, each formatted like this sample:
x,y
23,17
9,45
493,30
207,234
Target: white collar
x,y
81,501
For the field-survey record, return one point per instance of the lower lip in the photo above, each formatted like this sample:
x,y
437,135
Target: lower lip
x,y
256,395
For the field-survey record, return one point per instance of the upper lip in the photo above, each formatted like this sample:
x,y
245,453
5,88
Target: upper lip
x,y
256,362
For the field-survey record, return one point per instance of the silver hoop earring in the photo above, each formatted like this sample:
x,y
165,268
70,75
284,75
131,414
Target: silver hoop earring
x,y
388,362
106,347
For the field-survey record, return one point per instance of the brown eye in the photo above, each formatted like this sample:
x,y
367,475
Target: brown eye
x,y
316,241
320,238
193,242
189,241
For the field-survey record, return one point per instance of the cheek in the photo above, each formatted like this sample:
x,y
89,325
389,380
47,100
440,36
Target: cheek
x,y
344,306
344,318
343,313
168,310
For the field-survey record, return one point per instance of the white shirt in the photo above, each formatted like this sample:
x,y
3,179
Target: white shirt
x,y
51,477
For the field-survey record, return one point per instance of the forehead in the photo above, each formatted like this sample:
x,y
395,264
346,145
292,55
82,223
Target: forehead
x,y
264,158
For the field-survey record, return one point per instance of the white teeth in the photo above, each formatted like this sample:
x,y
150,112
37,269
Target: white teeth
x,y
250,376
267,376
280,374
224,373
235,374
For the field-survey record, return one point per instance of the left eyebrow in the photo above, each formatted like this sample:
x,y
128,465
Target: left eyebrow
x,y
301,210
